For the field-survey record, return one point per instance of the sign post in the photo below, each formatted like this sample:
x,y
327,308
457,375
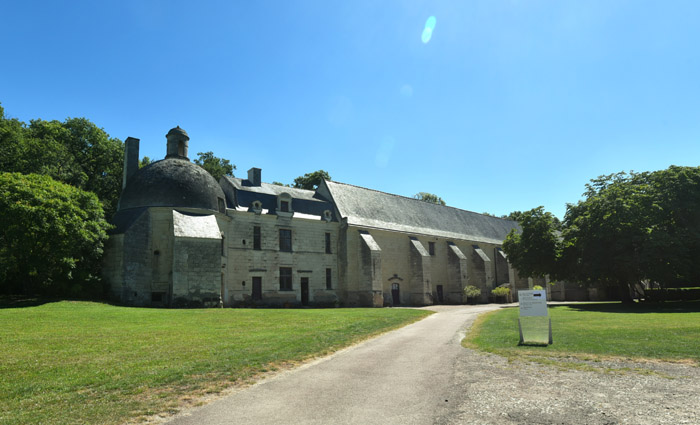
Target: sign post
x,y
534,323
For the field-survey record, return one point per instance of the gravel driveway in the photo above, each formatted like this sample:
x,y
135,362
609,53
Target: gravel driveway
x,y
493,390
421,375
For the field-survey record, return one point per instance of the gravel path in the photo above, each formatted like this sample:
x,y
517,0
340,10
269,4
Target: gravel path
x,y
492,390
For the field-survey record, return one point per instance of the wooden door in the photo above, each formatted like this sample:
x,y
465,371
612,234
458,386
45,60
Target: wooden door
x,y
257,288
304,291
395,294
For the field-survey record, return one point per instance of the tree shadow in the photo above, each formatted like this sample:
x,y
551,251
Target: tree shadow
x,y
19,301
640,308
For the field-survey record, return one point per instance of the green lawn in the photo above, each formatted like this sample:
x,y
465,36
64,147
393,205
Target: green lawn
x,y
669,331
82,362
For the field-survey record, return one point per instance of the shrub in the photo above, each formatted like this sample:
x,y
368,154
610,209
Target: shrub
x,y
537,287
472,291
501,291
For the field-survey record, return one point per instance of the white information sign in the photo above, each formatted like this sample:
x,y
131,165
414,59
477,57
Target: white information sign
x,y
533,303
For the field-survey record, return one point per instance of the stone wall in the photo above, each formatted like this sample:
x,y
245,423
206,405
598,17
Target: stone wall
x,y
137,255
196,272
308,259
404,261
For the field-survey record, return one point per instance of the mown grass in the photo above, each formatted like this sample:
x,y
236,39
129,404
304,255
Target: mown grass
x,y
82,362
668,332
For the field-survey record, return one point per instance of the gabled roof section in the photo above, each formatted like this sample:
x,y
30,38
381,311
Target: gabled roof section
x,y
373,209
273,189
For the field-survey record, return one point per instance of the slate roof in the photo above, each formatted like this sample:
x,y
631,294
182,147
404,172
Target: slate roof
x,y
171,182
273,189
373,209
303,201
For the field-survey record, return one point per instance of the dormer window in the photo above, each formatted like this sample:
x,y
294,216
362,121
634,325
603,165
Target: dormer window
x,y
284,205
327,215
256,207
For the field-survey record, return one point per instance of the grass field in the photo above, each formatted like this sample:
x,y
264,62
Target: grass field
x,y
81,362
669,331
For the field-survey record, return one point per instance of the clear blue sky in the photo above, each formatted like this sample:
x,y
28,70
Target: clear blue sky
x,y
509,105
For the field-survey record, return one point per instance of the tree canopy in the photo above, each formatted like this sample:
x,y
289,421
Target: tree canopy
x,y
629,228
74,151
310,181
534,251
429,197
51,236
217,167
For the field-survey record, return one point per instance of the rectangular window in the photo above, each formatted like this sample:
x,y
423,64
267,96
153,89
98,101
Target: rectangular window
x,y
328,243
285,278
431,248
256,238
284,206
286,240
329,278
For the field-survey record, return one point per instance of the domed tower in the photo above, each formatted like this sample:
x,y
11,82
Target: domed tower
x,y
166,246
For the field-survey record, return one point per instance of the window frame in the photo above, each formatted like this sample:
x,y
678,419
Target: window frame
x,y
257,238
285,240
286,279
329,278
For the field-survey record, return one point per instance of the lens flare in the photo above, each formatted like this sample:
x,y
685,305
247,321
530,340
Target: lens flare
x,y
428,30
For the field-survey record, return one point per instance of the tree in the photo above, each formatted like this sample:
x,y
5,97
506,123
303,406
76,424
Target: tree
x,y
217,167
144,161
429,197
535,249
628,229
75,151
605,234
310,181
51,236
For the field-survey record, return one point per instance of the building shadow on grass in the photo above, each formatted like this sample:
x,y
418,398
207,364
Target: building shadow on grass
x,y
617,307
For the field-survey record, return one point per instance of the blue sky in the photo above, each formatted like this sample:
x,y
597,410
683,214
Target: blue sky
x,y
509,105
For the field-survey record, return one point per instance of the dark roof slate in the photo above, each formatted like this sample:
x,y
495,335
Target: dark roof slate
x,y
373,209
273,189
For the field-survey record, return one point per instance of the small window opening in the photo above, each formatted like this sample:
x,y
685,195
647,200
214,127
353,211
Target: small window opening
x,y
256,238
329,277
431,248
284,206
328,243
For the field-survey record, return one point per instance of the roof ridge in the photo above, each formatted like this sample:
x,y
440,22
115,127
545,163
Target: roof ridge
x,y
418,200
241,179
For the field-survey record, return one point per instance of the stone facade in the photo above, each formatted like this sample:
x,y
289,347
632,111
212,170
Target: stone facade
x,y
182,239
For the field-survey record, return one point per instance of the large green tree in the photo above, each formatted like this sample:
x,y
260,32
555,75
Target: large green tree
x,y
75,151
429,197
627,229
310,181
535,249
217,167
51,237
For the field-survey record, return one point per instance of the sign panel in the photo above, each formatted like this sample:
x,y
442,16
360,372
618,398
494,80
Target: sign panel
x,y
533,303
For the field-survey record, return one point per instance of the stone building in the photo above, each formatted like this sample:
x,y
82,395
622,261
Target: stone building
x,y
183,239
